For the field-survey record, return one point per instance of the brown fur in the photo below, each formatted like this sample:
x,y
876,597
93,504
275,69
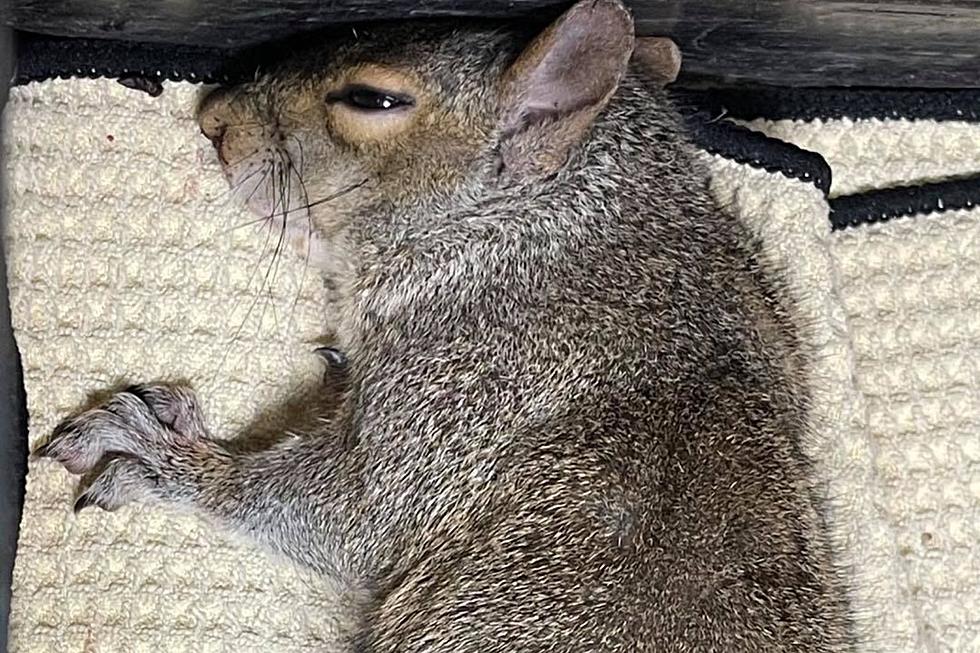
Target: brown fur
x,y
576,393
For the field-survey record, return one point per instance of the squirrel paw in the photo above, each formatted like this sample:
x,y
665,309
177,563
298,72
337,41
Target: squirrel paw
x,y
143,444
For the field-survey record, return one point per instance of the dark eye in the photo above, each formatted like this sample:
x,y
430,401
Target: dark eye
x,y
369,99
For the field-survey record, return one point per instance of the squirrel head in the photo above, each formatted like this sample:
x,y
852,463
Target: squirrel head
x,y
410,117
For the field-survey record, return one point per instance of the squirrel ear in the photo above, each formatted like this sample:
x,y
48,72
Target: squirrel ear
x,y
560,83
659,57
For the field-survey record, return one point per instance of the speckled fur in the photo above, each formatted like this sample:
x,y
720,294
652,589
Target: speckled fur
x,y
575,403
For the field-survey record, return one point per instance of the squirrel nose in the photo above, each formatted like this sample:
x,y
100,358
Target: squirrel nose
x,y
217,137
213,117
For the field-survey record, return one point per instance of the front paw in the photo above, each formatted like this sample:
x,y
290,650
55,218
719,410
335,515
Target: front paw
x,y
142,444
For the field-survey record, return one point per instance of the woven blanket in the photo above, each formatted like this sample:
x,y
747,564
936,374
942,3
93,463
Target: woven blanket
x,y
911,291
129,260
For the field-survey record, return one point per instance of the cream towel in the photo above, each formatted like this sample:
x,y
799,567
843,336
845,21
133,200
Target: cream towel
x,y
911,290
124,262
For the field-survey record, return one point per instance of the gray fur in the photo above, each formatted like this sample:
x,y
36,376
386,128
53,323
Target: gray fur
x,y
574,403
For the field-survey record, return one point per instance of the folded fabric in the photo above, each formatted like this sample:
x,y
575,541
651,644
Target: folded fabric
x,y
129,259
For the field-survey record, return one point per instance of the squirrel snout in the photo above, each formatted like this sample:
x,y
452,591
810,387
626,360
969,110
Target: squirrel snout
x,y
214,129
213,117
236,128
217,137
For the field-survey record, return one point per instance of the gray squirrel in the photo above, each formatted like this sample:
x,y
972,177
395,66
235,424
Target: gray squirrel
x,y
576,392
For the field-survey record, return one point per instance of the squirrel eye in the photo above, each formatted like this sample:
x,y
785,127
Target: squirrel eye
x,y
369,99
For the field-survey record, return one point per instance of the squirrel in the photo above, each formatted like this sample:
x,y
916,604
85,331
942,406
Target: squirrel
x,y
576,391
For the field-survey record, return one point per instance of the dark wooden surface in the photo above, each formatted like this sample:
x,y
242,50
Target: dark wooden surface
x,y
928,43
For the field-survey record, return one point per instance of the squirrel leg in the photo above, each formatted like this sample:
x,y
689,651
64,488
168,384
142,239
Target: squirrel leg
x,y
149,444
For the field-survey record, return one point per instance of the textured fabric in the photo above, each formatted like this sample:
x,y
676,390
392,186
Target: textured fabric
x,y
911,290
125,261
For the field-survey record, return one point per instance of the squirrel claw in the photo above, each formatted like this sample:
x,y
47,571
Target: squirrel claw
x,y
335,358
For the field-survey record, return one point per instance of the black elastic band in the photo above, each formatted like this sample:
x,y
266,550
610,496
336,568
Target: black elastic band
x,y
758,150
40,58
836,103
889,203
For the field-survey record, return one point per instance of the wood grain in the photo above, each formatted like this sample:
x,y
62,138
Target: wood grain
x,y
927,43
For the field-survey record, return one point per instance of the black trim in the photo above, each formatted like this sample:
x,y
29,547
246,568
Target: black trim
x,y
40,58
758,150
835,103
887,204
